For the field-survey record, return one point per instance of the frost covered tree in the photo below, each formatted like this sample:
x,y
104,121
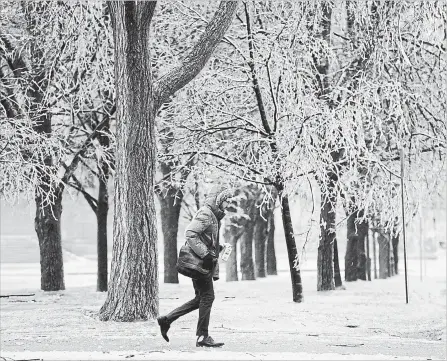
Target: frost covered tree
x,y
133,286
293,97
46,64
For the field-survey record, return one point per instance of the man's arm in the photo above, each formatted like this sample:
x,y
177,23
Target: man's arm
x,y
192,233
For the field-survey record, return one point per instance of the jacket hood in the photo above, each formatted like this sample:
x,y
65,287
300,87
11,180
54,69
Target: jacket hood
x,y
215,198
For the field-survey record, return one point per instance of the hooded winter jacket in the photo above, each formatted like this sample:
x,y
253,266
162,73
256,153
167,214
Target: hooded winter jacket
x,y
202,234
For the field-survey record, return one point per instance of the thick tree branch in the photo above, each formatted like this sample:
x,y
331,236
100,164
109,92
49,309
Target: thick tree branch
x,y
196,59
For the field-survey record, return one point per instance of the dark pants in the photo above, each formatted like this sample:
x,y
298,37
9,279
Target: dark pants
x,y
203,301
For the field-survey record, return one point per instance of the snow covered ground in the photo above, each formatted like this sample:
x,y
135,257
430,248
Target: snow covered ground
x,y
256,319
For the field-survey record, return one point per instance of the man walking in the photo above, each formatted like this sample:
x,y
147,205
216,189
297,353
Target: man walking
x,y
202,235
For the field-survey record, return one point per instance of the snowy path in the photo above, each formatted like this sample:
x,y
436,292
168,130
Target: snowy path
x,y
257,320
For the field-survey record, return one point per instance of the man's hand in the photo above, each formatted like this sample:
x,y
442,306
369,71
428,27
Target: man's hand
x,y
208,262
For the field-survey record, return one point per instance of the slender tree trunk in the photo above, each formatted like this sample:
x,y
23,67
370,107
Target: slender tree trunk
x,y
337,274
48,228
261,239
133,287
101,215
395,242
384,255
170,214
325,261
294,264
271,254
230,236
351,249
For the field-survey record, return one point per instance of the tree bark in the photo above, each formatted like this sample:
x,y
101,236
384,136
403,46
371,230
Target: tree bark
x,y
294,265
133,287
48,228
271,254
384,255
337,274
261,238
170,213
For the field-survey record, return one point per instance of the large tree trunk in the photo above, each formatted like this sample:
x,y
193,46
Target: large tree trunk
x,y
261,238
101,215
294,264
133,286
170,208
271,254
231,237
48,228
337,274
384,255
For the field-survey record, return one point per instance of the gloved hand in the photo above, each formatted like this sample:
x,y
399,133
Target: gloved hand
x,y
208,262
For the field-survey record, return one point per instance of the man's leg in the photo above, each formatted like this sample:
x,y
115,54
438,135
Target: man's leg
x,y
186,307
165,321
206,293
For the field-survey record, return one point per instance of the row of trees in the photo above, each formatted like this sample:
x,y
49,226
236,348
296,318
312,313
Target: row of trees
x,y
298,96
317,91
